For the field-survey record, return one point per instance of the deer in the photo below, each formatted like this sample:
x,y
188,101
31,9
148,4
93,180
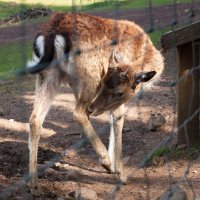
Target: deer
x,y
106,62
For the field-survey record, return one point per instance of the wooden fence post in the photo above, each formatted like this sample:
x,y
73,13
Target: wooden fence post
x,y
186,40
187,94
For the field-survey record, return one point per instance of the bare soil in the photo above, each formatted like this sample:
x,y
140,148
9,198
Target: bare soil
x,y
61,132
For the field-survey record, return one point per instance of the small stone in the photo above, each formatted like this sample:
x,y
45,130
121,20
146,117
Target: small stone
x,y
156,122
57,164
76,175
181,147
126,130
49,171
18,175
186,10
84,193
66,165
2,177
167,117
71,153
11,120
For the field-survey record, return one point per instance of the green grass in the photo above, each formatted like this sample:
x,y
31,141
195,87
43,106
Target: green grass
x,y
7,9
155,35
161,152
192,152
53,2
13,56
174,153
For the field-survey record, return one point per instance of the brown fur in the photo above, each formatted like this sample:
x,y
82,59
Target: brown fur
x,y
86,72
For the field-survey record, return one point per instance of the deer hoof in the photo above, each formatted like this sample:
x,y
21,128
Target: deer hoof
x,y
108,169
35,189
123,178
106,164
112,169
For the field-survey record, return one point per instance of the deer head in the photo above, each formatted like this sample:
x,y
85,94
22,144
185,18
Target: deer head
x,y
118,85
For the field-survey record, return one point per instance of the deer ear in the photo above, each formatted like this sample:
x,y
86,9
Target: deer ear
x,y
115,58
118,57
144,76
112,62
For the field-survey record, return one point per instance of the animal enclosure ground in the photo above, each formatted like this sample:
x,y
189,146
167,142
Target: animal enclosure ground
x,y
60,132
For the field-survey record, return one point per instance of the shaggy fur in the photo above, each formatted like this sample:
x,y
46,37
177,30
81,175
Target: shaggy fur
x,y
83,46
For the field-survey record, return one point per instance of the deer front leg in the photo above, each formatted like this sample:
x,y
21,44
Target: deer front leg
x,y
111,147
115,143
82,119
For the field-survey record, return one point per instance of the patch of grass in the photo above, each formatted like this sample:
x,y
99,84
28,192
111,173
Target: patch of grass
x,y
144,3
9,8
53,2
192,152
162,151
155,155
158,156
13,56
155,37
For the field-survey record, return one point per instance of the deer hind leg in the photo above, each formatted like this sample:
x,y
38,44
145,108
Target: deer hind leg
x,y
82,119
45,93
115,143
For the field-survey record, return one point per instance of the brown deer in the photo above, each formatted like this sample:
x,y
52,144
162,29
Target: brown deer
x,y
104,61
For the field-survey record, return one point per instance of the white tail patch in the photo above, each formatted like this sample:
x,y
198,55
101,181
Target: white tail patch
x,y
59,44
40,42
35,60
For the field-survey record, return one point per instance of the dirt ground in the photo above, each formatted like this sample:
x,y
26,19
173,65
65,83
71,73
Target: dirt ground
x,y
61,132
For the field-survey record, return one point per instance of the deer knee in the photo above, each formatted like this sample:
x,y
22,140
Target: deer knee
x,y
35,125
118,114
80,117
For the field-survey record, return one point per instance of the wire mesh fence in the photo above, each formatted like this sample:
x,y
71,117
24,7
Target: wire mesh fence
x,y
154,163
